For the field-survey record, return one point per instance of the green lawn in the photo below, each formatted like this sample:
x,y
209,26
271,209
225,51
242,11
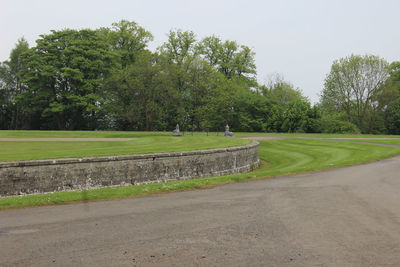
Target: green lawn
x,y
279,157
28,150
145,142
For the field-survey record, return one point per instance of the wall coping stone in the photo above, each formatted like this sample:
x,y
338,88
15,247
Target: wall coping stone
x,y
153,156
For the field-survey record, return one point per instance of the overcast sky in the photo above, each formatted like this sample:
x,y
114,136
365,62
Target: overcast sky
x,y
297,39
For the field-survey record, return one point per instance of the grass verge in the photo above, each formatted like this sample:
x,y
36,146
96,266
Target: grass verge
x,y
279,157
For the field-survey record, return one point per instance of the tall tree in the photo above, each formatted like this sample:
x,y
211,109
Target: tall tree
x,y
128,43
392,86
65,72
11,86
296,117
352,86
231,59
127,40
391,100
180,47
202,85
392,117
250,111
281,92
179,51
145,97
5,102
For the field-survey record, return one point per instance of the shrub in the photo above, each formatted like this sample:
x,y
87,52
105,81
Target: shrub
x,y
339,126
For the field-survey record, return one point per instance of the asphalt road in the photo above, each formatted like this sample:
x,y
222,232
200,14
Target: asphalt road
x,y
341,217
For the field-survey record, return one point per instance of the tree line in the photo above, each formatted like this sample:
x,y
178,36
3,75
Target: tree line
x,y
108,79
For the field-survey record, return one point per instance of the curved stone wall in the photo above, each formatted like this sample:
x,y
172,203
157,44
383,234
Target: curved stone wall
x,y
40,176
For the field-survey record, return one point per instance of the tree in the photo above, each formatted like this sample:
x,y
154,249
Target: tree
x,y
394,80
231,59
145,98
64,73
392,117
109,79
281,92
127,40
5,102
392,100
11,86
210,48
280,95
250,111
353,86
179,51
180,47
295,117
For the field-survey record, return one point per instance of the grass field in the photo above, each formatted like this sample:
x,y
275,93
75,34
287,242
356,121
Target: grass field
x,y
279,157
143,143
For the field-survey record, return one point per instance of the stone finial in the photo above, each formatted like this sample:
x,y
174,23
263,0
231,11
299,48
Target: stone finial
x,y
176,132
227,132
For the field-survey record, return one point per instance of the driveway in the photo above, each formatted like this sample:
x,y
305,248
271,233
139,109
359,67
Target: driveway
x,y
341,217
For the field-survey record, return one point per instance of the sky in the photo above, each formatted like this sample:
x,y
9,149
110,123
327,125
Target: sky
x,y
297,39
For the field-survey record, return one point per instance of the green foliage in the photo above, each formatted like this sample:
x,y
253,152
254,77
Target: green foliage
x,y
229,58
281,92
392,117
391,100
394,79
250,111
4,98
313,120
333,125
180,47
207,76
11,87
290,110
143,98
353,86
127,40
109,79
64,73
295,116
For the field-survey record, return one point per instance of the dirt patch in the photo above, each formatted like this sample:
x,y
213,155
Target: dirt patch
x,y
65,139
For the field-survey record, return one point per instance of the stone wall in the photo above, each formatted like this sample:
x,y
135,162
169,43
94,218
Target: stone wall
x,y
40,176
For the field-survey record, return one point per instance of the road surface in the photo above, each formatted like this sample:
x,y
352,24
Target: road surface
x,y
341,217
